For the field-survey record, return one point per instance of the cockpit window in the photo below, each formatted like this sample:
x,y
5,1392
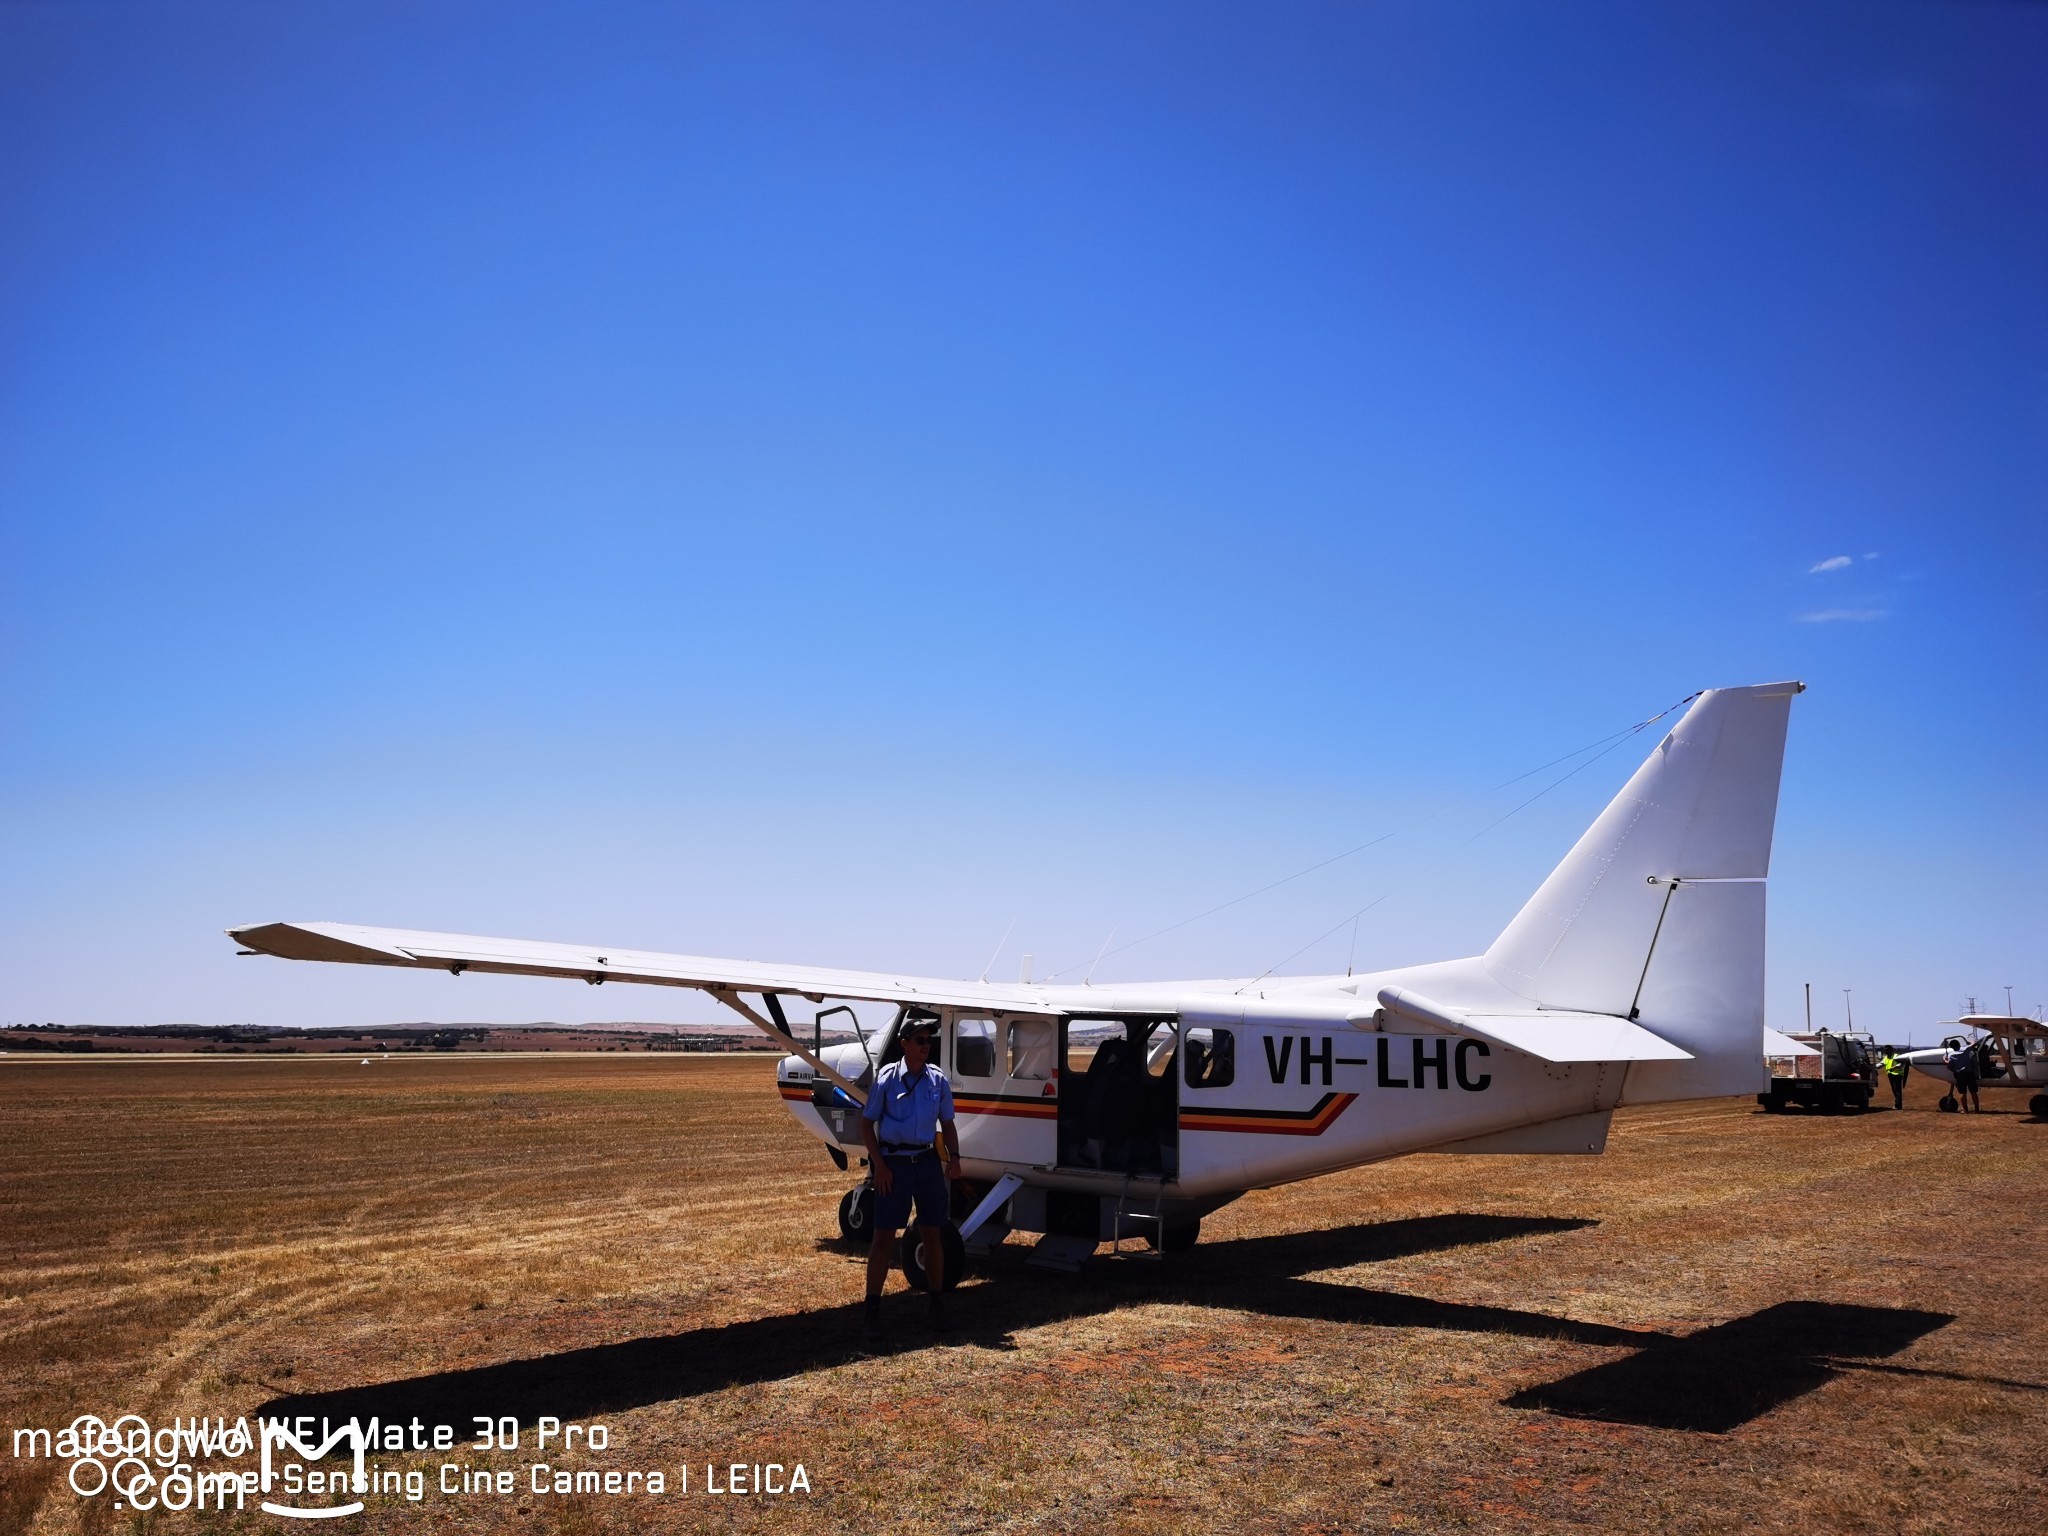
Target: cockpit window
x,y
1211,1058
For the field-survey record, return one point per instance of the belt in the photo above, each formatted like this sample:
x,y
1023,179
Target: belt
x,y
906,1148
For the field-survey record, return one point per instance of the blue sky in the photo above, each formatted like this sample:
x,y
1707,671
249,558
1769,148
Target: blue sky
x,y
820,482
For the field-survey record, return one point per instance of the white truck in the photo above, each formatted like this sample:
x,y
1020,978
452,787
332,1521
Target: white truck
x,y
1836,1073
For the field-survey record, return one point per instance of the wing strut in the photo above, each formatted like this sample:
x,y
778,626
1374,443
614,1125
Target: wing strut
x,y
783,1037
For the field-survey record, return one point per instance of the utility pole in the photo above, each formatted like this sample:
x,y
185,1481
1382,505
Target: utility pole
x,y
2008,1002
1809,1007
1845,1009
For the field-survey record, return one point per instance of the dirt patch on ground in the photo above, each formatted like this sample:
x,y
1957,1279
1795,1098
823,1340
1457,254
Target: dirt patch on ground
x,y
1731,1321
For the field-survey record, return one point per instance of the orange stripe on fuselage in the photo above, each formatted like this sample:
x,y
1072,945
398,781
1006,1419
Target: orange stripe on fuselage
x,y
1311,1122
1049,1109
1012,1104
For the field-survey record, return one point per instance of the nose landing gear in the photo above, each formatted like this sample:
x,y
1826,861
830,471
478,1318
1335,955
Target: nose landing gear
x,y
857,1214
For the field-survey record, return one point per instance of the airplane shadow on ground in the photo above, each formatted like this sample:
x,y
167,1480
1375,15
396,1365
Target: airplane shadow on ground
x,y
1720,1378
1711,1381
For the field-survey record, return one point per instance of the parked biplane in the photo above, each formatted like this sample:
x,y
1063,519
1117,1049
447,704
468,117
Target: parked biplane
x,y
1090,1114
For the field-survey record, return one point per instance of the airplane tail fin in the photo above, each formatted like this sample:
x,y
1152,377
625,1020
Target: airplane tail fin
x,y
1657,913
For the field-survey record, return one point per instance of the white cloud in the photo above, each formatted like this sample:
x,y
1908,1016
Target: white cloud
x,y
1833,563
1871,556
1842,616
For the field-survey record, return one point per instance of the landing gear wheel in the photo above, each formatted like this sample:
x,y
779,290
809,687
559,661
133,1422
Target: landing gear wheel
x,y
857,1213
2037,1106
1948,1104
1178,1238
910,1255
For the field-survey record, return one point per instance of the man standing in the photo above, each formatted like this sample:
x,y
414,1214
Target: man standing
x,y
910,1105
1895,1068
1962,1066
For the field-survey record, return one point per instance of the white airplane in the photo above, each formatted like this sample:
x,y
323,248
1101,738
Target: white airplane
x,y
2011,1053
1092,1114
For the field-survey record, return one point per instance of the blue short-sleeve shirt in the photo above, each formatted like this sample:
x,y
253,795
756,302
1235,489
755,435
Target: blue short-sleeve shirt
x,y
907,1110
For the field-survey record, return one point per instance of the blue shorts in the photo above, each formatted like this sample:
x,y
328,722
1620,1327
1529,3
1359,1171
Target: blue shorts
x,y
918,1177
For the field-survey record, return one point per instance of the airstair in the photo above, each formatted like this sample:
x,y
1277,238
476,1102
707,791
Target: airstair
x,y
1140,1204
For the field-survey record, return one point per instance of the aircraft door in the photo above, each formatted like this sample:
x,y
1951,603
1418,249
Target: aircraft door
x,y
2030,1060
1119,1108
1004,1087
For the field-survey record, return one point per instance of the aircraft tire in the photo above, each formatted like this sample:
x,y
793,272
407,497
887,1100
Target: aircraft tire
x,y
857,1213
1948,1104
910,1255
1178,1238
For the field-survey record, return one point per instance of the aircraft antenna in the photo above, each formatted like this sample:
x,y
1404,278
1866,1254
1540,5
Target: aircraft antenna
x,y
1248,895
1089,979
1605,743
999,949
1616,740
1312,943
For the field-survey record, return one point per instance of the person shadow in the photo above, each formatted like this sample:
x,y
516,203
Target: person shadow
x,y
1709,1381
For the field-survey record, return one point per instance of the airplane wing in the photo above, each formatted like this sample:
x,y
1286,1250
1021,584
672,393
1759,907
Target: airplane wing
x,y
459,952
1551,1035
1778,1043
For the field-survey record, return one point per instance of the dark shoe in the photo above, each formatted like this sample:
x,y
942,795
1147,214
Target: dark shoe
x,y
871,1325
940,1322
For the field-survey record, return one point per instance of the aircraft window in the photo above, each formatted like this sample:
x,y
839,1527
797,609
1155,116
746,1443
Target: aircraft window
x,y
1032,1047
1159,1050
1211,1058
974,1047
1084,1038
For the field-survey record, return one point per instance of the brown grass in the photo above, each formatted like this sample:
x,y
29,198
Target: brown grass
x,y
645,1241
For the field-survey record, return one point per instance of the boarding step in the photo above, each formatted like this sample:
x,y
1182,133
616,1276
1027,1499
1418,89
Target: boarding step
x,y
1140,1215
990,1236
1058,1250
985,1227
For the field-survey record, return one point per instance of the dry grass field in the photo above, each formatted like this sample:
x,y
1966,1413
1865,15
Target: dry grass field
x,y
1730,1322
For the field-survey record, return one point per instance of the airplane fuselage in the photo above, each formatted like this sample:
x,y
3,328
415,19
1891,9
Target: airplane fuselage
x,y
1215,1092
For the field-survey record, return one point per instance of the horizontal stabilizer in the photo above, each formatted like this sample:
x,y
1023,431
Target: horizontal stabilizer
x,y
1779,1044
1552,1035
